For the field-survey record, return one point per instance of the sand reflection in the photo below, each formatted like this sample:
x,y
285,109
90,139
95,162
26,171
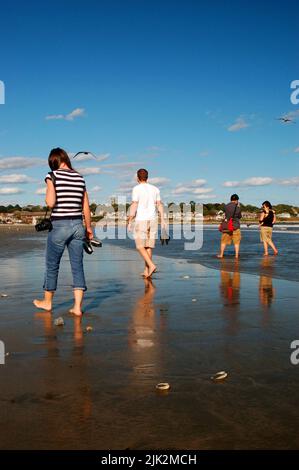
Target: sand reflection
x,y
143,336
230,283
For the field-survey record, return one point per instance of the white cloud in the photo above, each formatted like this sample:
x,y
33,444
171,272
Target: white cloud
x,y
239,124
155,148
126,188
123,165
204,197
198,182
15,178
10,190
254,181
159,181
296,150
195,187
290,182
9,163
90,171
292,114
96,189
204,153
41,191
77,112
189,190
232,184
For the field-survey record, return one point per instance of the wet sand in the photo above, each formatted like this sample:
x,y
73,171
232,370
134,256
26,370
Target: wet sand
x,y
65,388
18,239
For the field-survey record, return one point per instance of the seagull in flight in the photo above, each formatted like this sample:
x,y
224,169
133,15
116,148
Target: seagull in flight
x,y
85,153
285,119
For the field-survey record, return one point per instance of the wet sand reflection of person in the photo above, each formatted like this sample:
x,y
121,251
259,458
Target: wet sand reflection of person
x,y
143,334
65,381
230,293
266,289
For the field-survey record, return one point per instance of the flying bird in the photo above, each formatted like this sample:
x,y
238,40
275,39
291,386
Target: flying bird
x,y
285,119
85,153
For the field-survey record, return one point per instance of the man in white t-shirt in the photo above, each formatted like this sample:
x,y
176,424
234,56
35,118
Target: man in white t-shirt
x,y
146,201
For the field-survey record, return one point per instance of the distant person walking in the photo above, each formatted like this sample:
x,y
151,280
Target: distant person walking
x,y
68,198
267,220
232,217
146,201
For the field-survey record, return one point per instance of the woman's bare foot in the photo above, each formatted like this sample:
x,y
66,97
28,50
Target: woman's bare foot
x,y
76,311
220,256
151,270
43,304
266,254
276,252
145,273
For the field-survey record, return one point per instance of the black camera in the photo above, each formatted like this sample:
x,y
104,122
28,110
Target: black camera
x,y
43,225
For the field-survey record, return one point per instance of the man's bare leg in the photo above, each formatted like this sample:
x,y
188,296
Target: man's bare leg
x,y
46,303
148,261
78,299
222,248
150,254
145,272
237,250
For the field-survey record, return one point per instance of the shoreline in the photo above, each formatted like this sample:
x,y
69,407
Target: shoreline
x,y
244,224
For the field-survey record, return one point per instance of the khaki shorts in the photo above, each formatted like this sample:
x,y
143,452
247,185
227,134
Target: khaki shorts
x,y
145,233
266,234
228,238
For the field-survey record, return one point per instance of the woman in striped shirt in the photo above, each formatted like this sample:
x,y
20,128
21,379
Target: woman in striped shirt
x,y
67,196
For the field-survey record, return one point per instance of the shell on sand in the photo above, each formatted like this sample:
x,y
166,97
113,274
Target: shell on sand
x,y
219,376
59,321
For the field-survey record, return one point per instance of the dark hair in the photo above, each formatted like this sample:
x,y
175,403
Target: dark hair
x,y
58,156
267,204
234,197
142,174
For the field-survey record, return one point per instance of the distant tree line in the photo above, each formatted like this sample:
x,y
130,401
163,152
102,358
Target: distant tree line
x,y
209,209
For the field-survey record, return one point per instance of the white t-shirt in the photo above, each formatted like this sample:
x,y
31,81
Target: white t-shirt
x,y
147,196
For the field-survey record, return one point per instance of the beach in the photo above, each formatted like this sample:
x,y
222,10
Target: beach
x,y
69,388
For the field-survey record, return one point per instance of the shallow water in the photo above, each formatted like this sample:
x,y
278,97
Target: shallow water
x,y
63,387
284,266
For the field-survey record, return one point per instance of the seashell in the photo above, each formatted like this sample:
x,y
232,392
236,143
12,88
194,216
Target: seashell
x,y
59,321
219,376
163,386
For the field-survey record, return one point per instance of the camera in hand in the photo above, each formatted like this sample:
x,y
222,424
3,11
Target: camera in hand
x,y
45,224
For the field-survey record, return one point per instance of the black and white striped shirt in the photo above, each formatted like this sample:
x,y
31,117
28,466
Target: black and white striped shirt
x,y
69,188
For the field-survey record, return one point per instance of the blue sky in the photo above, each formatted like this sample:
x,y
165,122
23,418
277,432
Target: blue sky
x,y
187,89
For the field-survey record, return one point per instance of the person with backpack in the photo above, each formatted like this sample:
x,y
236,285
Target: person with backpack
x,y
230,226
